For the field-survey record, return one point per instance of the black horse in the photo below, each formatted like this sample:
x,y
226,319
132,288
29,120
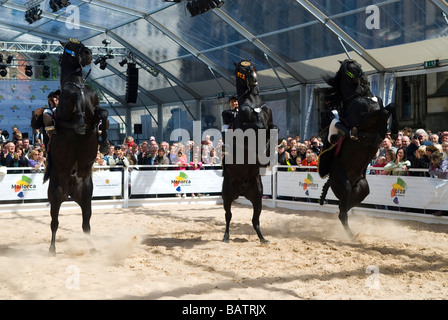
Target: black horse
x,y
346,161
73,149
242,164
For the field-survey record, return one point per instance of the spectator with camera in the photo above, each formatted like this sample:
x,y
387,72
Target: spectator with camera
x,y
417,140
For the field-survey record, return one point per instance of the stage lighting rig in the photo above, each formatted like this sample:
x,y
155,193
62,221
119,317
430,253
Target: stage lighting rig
x,y
33,14
102,61
29,71
46,71
108,54
55,5
3,71
196,7
123,62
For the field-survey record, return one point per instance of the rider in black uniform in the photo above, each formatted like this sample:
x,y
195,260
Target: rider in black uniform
x,y
229,115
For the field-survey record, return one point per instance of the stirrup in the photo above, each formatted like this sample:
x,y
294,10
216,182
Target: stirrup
x,y
104,147
354,134
50,129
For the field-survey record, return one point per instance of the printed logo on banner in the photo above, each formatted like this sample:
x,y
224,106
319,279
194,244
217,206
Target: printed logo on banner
x,y
398,190
308,184
180,181
23,185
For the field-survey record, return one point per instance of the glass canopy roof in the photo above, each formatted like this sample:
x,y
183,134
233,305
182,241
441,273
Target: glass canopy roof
x,y
291,42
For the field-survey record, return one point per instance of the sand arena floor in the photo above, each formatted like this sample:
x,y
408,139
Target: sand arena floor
x,y
176,252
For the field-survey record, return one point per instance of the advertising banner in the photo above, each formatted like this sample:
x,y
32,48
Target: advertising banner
x,y
175,181
401,191
29,186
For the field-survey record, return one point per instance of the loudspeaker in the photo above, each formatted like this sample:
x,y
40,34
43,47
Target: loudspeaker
x,y
131,83
138,128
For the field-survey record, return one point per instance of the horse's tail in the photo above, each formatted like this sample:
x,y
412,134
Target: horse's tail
x,y
47,168
324,192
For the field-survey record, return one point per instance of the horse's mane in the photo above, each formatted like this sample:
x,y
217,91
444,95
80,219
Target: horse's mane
x,y
333,95
333,98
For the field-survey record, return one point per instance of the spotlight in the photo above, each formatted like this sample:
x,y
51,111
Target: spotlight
x,y
9,59
3,71
196,7
46,72
33,14
29,71
55,5
102,61
41,59
123,62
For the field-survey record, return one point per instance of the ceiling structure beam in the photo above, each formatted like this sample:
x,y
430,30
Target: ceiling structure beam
x,y
441,4
51,17
259,44
196,53
333,27
142,56
26,30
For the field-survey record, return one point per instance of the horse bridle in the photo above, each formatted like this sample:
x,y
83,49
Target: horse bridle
x,y
351,77
79,59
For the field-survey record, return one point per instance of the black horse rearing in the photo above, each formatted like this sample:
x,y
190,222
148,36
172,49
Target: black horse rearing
x,y
346,162
242,175
73,149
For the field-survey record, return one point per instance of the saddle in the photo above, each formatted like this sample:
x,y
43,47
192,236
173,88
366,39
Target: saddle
x,y
325,159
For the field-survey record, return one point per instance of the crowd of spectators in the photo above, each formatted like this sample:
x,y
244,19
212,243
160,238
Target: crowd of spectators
x,y
153,153
18,152
416,153
403,155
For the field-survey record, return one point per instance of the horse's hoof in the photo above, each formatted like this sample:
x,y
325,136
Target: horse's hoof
x,y
356,237
264,241
52,251
95,251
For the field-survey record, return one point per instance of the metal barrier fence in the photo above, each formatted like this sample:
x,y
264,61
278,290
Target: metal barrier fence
x,y
119,187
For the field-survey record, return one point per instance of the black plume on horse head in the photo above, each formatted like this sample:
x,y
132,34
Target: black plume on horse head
x,y
246,80
349,81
